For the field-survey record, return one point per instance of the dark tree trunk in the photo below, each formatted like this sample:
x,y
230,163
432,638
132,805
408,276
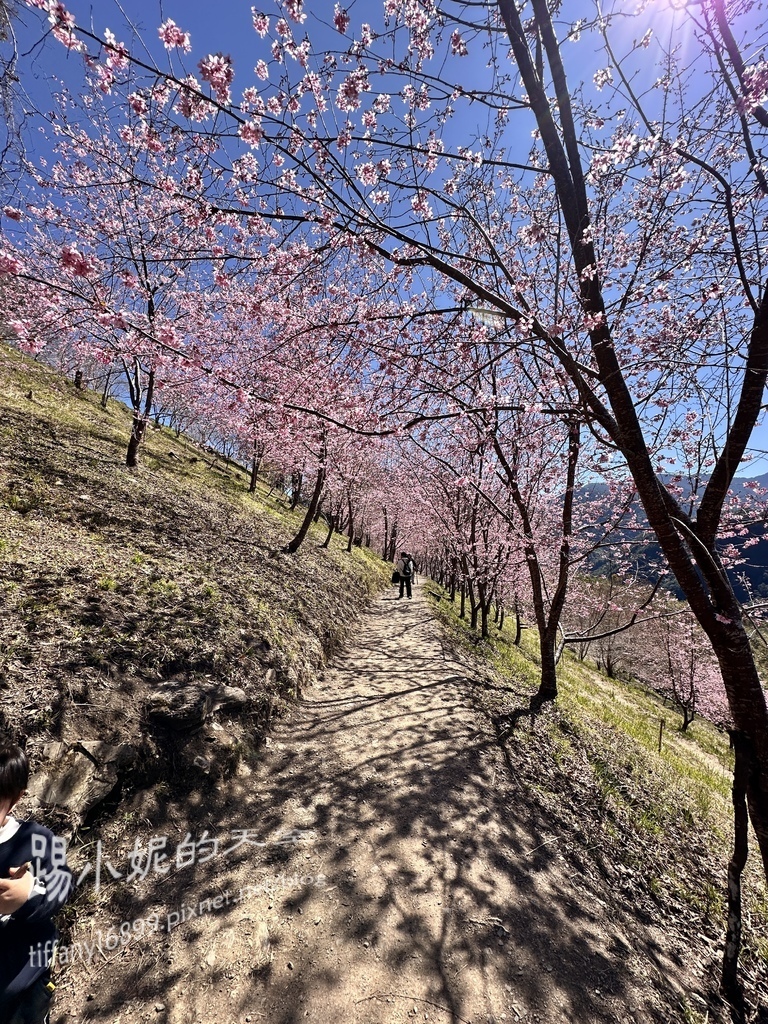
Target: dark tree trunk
x,y
473,604
298,540
484,616
140,416
547,620
484,606
548,685
255,467
742,770
392,544
297,481
351,531
331,528
138,430
745,697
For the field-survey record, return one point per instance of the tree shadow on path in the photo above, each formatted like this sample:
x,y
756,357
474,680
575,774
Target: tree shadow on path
x,y
426,885
445,895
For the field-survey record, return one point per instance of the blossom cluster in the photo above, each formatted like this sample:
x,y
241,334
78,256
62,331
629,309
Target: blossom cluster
x,y
173,37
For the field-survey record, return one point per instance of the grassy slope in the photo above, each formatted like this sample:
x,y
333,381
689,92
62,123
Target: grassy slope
x,y
655,826
111,579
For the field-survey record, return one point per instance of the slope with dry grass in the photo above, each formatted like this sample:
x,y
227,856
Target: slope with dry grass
x,y
114,581
649,822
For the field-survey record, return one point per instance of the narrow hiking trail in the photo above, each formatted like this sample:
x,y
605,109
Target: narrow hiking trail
x,y
419,887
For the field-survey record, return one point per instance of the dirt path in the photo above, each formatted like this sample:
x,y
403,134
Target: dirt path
x,y
419,887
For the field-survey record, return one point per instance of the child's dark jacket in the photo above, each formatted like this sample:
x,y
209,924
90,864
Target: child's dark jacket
x,y
23,936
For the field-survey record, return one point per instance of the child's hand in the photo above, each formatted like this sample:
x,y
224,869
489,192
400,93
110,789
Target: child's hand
x,y
15,890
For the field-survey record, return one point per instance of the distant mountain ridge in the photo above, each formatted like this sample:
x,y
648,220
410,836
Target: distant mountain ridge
x,y
749,579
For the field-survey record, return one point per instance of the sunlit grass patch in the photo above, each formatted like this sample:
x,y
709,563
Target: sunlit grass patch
x,y
663,814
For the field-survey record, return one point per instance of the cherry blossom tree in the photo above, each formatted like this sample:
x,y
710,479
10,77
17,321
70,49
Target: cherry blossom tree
x,y
685,670
604,614
612,219
109,255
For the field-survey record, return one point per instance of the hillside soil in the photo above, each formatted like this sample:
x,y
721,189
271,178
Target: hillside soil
x,y
384,860
122,591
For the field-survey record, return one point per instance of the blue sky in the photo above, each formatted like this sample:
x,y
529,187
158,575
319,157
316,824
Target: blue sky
x,y
226,26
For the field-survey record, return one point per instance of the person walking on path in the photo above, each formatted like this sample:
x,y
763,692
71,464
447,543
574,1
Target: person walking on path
x,y
406,569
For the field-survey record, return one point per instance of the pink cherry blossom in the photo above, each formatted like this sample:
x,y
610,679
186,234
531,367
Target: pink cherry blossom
x,y
76,262
340,19
138,103
172,36
217,70
295,9
260,22
367,174
420,205
190,103
252,132
10,263
602,78
350,90
458,46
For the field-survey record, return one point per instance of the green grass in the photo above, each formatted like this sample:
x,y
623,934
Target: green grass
x,y
666,815
702,757
123,577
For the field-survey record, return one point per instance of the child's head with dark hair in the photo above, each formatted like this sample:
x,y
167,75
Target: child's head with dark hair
x,y
14,776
